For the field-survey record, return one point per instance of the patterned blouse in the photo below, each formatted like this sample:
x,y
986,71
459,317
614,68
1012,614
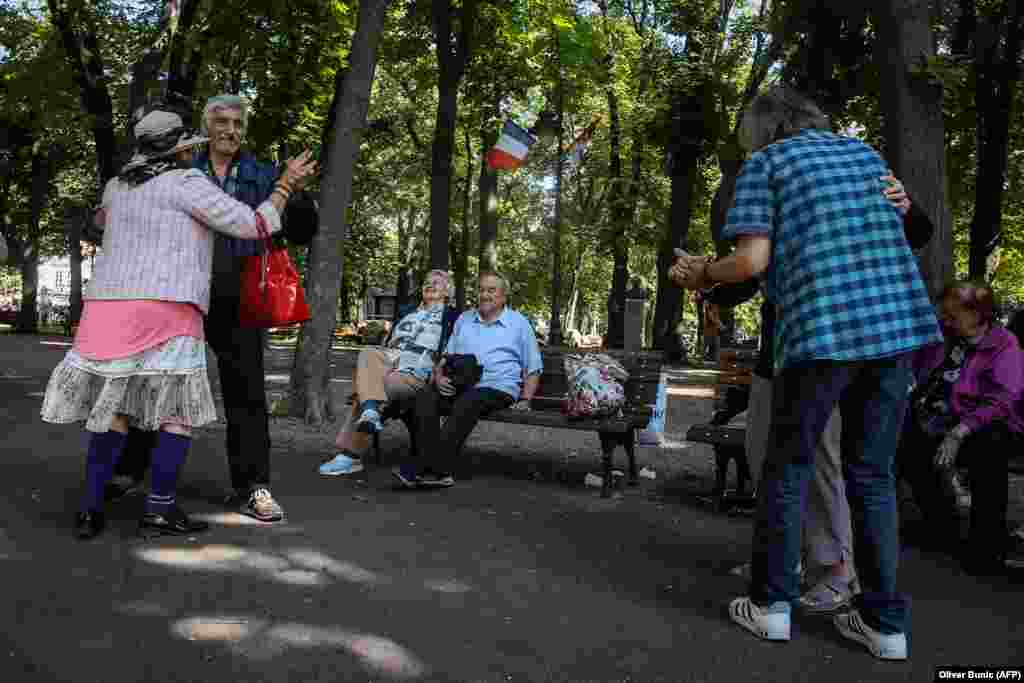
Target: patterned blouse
x,y
931,401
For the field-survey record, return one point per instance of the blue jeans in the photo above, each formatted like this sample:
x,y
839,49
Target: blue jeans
x,y
872,398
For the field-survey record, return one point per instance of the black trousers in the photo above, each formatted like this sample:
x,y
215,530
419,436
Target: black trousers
x,y
984,453
438,446
239,353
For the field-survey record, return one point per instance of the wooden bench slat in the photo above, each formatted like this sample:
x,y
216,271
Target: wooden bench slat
x,y
713,434
558,420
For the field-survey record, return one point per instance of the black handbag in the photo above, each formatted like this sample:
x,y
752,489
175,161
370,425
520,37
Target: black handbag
x,y
463,370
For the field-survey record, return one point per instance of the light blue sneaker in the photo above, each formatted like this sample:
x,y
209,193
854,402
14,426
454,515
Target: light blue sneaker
x,y
369,422
342,463
770,623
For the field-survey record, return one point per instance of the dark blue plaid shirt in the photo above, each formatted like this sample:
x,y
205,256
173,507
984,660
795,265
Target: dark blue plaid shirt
x,y
842,276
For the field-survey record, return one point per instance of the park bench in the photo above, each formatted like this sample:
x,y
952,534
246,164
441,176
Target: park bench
x,y
546,409
732,394
729,440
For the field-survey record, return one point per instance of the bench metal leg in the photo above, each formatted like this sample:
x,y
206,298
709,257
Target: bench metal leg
x,y
608,443
629,443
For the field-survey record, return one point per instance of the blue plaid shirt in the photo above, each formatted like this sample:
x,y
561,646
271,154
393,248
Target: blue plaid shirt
x,y
842,276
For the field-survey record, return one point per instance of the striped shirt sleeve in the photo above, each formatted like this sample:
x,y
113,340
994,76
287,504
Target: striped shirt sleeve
x,y
217,210
753,206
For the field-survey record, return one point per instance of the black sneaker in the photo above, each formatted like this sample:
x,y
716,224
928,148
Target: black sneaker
x,y
407,475
120,487
174,521
89,524
431,480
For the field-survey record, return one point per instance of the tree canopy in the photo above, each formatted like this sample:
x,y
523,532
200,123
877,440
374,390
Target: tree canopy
x,y
663,82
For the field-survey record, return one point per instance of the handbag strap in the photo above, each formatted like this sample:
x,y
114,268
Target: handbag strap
x,y
261,230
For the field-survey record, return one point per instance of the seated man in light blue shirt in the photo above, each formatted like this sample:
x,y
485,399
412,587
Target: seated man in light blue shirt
x,y
505,346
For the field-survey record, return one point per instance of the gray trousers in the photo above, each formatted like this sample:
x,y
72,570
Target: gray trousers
x,y
827,532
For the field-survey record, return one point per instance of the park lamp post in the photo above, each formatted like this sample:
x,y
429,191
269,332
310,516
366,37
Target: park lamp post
x,y
548,128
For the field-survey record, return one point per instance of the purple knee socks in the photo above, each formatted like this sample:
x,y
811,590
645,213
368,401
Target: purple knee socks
x,y
104,450
168,456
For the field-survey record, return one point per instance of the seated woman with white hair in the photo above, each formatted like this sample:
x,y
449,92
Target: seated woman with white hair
x,y
394,373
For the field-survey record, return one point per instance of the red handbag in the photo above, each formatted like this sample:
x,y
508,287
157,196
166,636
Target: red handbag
x,y
272,294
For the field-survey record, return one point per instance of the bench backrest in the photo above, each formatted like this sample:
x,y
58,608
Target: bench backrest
x,y
641,389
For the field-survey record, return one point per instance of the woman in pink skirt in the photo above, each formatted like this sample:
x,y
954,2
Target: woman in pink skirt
x,y
139,358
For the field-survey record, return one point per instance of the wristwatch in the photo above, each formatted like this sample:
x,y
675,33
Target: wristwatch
x,y
707,278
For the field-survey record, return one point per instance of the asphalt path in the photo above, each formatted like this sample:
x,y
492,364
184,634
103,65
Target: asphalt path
x,y
520,573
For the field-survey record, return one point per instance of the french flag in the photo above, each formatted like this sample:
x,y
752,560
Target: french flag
x,y
510,151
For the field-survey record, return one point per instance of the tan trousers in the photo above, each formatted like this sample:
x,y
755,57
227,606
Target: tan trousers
x,y
828,534
375,379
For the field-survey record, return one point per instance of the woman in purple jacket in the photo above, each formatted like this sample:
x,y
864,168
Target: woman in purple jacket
x,y
965,411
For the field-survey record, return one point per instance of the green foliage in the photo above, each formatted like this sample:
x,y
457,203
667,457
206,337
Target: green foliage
x,y
285,56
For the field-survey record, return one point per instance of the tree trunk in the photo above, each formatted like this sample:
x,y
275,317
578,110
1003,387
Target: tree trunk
x,y
28,314
441,174
345,292
574,289
996,80
689,132
181,72
82,46
74,233
617,201
41,166
310,374
407,238
452,55
488,197
462,265
555,327
669,300
913,125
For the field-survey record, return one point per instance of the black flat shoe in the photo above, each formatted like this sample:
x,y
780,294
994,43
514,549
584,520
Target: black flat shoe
x,y
114,491
175,521
89,524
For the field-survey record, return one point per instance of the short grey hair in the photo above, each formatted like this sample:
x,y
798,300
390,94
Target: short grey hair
x,y
779,113
449,290
506,286
224,101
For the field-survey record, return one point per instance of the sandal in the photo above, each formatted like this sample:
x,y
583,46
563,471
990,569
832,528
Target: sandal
x,y
826,596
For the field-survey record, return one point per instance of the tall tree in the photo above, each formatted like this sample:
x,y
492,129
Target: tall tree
x,y
353,85
454,47
79,35
993,43
555,328
914,128
487,190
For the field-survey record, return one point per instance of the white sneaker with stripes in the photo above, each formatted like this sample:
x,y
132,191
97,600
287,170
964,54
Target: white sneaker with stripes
x,y
882,645
769,623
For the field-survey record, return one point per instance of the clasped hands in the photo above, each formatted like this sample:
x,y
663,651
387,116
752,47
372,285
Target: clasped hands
x,y
298,171
688,271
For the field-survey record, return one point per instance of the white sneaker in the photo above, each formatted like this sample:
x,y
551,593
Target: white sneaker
x,y
881,645
262,506
769,623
